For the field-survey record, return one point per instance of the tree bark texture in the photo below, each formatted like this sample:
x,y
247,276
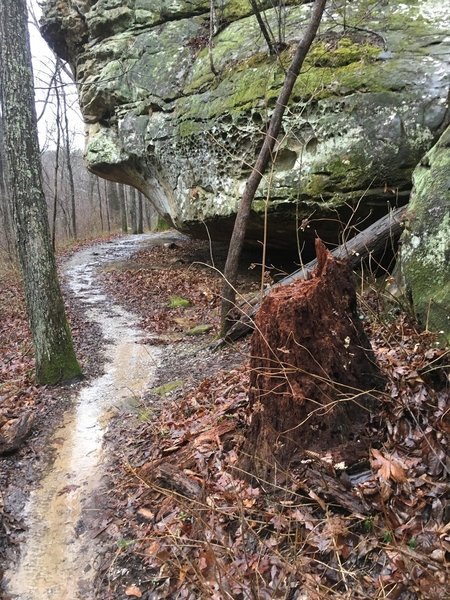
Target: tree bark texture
x,y
54,353
312,372
240,224
67,149
140,214
132,202
113,199
371,241
123,207
5,216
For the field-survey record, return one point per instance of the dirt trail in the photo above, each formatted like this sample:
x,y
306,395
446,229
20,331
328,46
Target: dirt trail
x,y
58,558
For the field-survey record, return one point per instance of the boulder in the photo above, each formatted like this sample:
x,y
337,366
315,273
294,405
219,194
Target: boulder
x,y
182,117
425,250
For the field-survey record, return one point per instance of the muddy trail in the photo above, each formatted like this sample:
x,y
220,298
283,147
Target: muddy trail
x,y
58,556
105,521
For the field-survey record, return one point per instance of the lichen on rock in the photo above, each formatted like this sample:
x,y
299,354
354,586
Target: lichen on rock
x,y
425,249
188,116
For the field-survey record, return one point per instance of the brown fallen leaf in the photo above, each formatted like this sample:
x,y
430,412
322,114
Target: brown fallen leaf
x,y
215,432
388,467
146,513
133,590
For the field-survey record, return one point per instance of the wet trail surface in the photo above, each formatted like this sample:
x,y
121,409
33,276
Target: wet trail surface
x,y
58,558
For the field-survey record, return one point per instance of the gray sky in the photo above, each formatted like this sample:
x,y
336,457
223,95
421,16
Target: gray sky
x,y
43,64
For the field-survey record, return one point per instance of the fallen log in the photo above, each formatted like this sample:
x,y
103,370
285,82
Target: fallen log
x,y
369,241
333,491
170,477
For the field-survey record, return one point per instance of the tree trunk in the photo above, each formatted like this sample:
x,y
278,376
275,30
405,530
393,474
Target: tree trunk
x,y
100,208
66,138
56,170
266,34
123,208
4,204
114,203
132,208
240,224
140,215
54,353
107,205
312,373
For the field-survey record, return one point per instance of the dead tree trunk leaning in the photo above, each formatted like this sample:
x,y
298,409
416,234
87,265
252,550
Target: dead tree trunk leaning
x,y
266,34
240,224
54,353
312,372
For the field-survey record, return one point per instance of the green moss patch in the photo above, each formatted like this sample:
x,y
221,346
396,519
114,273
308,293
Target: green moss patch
x,y
178,302
199,330
166,388
341,51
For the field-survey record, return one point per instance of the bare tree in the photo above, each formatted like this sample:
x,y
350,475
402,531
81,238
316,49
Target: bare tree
x,y
114,203
67,151
100,207
140,214
54,353
132,201
123,207
267,34
56,169
5,216
265,154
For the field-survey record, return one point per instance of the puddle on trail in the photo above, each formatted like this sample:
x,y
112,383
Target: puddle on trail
x,y
57,559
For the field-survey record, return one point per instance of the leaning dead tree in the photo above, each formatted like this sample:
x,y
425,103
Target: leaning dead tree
x,y
312,373
265,154
369,242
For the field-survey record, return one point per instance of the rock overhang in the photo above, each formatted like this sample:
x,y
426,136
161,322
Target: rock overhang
x,y
182,119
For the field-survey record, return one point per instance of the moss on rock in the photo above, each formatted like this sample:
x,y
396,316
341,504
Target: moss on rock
x,y
189,119
425,250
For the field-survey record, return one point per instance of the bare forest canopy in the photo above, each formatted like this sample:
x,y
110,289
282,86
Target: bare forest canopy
x,y
101,206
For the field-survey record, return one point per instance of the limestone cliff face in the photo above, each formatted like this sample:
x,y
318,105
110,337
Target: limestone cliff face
x,y
181,116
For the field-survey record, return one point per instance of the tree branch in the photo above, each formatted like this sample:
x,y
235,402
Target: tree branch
x,y
240,225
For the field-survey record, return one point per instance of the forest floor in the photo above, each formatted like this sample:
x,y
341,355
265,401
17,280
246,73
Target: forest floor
x,y
178,519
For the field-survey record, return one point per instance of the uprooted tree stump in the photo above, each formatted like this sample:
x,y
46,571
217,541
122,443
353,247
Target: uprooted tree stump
x,y
312,373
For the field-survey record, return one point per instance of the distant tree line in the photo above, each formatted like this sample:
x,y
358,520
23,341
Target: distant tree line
x,y
101,206
80,205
